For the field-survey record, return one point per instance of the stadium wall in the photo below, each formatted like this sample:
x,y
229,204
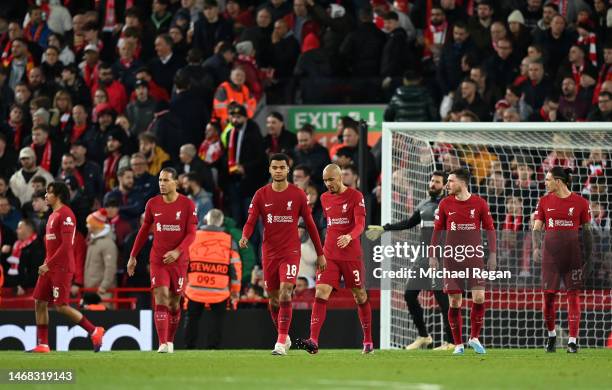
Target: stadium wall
x,y
133,330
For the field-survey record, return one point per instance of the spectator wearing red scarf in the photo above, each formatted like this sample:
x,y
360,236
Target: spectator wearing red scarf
x,y
48,153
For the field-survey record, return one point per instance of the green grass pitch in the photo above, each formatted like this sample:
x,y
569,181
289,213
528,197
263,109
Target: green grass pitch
x,y
330,369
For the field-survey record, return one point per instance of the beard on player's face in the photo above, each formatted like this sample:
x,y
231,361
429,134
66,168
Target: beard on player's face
x,y
435,191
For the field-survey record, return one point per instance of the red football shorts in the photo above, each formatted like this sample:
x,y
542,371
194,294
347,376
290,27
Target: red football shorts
x,y
458,285
353,273
277,271
566,266
53,288
173,276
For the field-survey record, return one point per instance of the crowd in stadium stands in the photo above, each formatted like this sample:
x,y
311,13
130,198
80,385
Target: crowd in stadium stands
x,y
103,94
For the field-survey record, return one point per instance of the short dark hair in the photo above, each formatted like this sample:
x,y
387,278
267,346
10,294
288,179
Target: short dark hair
x,y
147,137
29,223
563,174
279,157
166,37
181,80
277,115
171,171
123,170
303,167
193,176
59,189
461,174
391,15
352,168
441,174
515,89
38,195
606,93
307,128
40,180
89,26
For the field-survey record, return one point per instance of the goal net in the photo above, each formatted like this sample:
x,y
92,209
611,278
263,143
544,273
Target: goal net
x,y
507,163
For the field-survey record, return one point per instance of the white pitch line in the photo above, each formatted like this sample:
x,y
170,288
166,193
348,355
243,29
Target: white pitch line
x,y
349,384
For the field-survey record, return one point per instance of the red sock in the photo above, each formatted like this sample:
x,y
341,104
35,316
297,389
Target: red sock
x,y
88,326
456,324
476,319
550,311
573,313
365,316
317,318
161,323
173,323
274,314
42,334
284,321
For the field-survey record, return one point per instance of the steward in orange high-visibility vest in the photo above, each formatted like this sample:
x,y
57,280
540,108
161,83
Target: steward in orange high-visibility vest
x,y
213,277
233,91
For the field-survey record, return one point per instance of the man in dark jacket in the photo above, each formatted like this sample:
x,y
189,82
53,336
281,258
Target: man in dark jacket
x,y
131,202
211,29
278,139
246,162
396,55
190,108
449,70
411,102
166,64
219,65
362,49
190,162
311,153
285,53
28,253
140,112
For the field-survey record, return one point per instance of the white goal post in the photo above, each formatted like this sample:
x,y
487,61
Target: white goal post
x,y
412,151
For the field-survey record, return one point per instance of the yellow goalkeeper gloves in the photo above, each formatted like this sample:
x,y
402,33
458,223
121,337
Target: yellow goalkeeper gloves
x,y
374,232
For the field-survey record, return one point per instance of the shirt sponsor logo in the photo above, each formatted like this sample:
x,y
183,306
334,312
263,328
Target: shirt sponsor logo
x,y
564,223
551,223
463,226
168,228
453,226
68,222
279,218
337,221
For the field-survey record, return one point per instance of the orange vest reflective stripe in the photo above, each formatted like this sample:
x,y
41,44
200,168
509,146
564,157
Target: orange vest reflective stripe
x,y
242,97
208,274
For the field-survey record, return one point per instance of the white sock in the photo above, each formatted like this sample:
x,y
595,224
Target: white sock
x,y
552,333
572,340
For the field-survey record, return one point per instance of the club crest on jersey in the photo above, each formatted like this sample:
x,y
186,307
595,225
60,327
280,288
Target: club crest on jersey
x,y
570,212
344,206
68,222
551,223
453,226
289,205
473,213
178,215
269,217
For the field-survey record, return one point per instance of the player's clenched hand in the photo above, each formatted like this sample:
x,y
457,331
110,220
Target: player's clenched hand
x,y
171,256
492,263
537,255
131,266
344,240
243,243
433,262
43,269
321,263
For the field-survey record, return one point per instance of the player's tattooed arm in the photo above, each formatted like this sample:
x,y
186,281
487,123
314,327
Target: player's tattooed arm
x,y
536,237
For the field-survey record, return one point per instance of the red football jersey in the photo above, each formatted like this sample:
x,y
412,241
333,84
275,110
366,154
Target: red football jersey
x,y
562,214
463,221
174,226
59,239
280,212
345,214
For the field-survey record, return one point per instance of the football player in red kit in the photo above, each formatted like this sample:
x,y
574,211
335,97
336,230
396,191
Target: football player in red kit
x,y
55,275
280,205
561,213
174,219
462,215
344,210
